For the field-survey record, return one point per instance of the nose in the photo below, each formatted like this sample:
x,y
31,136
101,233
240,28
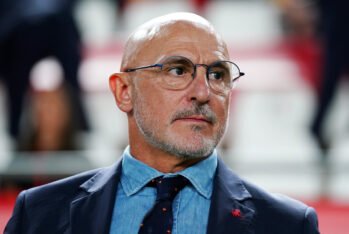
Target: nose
x,y
199,88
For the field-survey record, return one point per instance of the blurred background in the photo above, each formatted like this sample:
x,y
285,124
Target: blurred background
x,y
289,122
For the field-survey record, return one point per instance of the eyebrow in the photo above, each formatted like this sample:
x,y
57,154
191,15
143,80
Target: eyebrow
x,y
177,59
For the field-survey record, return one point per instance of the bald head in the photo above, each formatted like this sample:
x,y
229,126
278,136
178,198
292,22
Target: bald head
x,y
151,36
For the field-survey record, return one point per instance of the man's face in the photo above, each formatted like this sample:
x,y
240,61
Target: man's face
x,y
186,123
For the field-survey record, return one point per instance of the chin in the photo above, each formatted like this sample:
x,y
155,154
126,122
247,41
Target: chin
x,y
192,149
193,155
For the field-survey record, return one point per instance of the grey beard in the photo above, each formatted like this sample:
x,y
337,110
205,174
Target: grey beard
x,y
173,149
180,151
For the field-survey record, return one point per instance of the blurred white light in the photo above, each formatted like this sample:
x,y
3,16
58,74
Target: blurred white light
x,y
46,75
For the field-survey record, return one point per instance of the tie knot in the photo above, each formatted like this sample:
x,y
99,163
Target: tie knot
x,y
167,188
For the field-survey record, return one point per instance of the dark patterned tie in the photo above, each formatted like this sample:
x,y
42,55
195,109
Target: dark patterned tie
x,y
159,219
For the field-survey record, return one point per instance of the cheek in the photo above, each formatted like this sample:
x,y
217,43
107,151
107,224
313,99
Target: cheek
x,y
153,100
221,108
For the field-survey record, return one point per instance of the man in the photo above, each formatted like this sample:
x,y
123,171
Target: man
x,y
175,85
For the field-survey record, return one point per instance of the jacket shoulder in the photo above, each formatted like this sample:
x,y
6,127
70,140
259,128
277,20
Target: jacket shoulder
x,y
282,212
272,213
49,204
274,200
60,188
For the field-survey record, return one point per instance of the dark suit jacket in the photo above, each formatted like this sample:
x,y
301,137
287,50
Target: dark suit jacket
x,y
84,204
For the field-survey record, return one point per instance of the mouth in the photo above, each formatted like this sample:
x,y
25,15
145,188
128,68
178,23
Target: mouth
x,y
195,119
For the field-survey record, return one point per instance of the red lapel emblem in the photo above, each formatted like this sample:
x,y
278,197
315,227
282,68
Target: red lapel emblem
x,y
236,213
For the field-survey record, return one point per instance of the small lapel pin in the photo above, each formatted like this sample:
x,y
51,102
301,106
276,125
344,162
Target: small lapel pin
x,y
236,213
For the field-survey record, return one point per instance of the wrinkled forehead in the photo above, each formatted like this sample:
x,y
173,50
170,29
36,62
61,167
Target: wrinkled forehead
x,y
159,34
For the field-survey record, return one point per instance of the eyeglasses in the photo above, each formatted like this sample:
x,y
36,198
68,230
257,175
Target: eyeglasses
x,y
178,72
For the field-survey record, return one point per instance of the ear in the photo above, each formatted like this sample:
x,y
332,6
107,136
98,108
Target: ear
x,y
120,86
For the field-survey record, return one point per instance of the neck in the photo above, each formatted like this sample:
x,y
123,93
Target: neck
x,y
162,161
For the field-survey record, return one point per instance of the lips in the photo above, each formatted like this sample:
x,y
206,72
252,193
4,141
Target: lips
x,y
195,118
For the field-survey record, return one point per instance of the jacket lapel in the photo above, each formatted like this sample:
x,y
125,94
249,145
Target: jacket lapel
x,y
231,210
91,211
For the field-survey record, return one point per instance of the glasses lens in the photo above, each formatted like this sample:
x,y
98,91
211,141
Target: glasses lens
x,y
177,72
221,75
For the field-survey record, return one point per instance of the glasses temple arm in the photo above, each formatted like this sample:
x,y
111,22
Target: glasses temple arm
x,y
143,67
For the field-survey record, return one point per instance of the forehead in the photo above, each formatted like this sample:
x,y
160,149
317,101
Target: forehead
x,y
196,41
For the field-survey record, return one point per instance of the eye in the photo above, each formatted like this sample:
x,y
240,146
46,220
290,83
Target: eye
x,y
178,67
219,71
176,70
216,75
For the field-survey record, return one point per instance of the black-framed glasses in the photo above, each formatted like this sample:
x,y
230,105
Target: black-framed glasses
x,y
177,72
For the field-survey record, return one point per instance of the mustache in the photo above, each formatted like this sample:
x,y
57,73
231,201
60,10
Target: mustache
x,y
203,110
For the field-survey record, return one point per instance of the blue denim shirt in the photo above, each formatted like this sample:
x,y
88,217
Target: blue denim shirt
x,y
190,207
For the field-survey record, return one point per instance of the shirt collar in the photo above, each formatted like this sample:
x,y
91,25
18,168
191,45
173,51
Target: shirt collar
x,y
201,175
135,174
